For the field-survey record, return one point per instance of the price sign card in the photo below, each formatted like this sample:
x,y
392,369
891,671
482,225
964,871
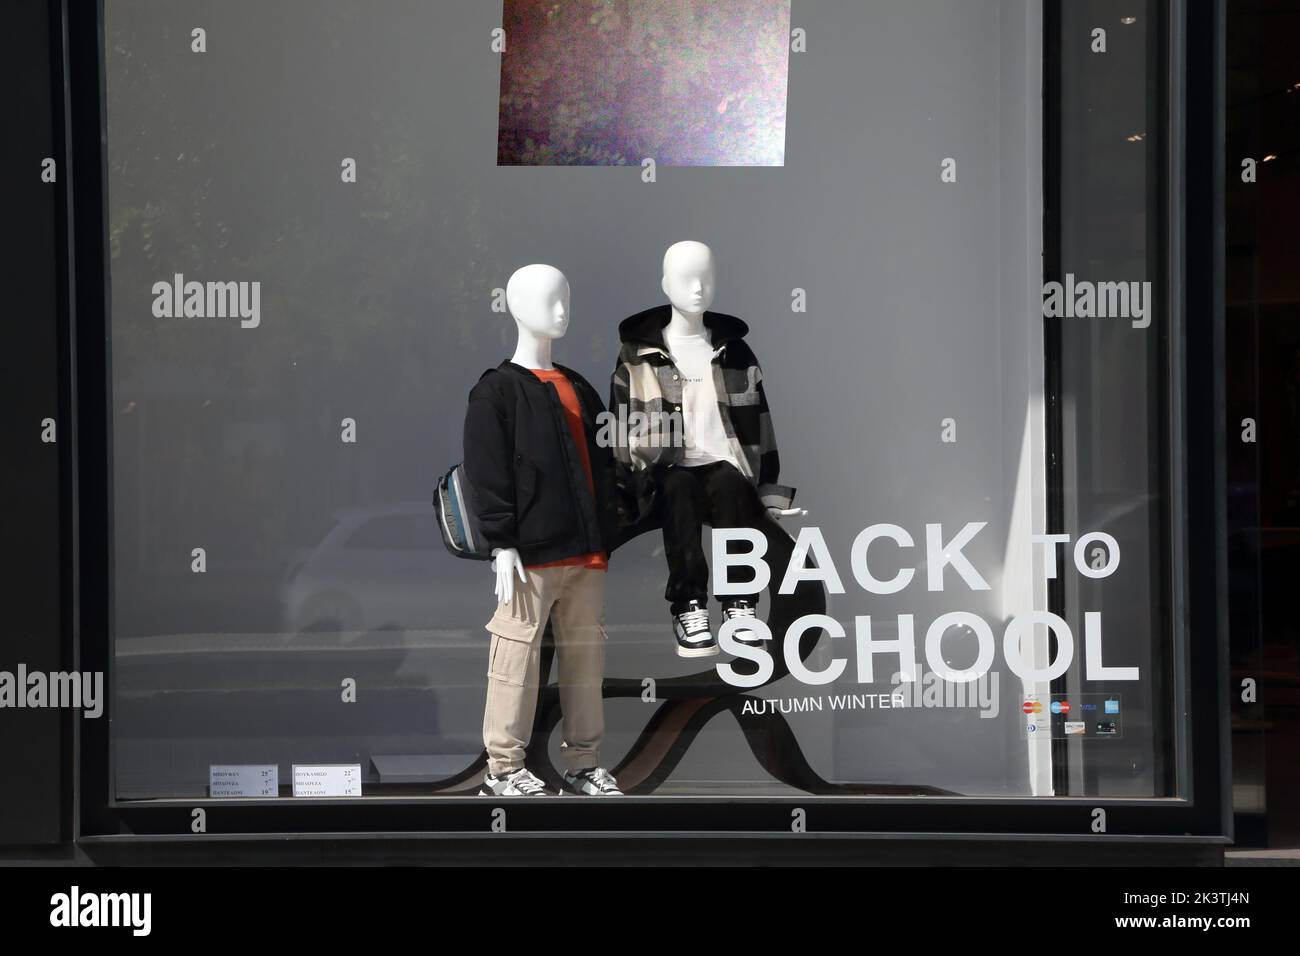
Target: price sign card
x,y
244,780
327,780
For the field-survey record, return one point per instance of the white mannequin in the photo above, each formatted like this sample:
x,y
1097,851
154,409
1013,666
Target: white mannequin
x,y
689,282
538,299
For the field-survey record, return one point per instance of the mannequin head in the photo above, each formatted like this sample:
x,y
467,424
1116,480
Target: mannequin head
x,y
538,299
688,277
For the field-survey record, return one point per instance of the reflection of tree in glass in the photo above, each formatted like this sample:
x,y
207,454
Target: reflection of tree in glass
x,y
412,259
610,82
227,169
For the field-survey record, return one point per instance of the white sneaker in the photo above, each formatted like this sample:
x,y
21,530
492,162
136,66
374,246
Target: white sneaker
x,y
518,783
596,782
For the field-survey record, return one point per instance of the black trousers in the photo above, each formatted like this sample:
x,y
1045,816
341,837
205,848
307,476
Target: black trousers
x,y
717,495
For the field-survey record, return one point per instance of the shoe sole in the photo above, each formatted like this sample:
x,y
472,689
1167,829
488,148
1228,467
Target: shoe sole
x,y
575,792
709,651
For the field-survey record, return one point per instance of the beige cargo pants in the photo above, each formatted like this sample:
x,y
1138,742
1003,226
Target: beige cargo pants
x,y
573,599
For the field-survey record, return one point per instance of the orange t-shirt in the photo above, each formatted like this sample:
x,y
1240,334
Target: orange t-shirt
x,y
596,560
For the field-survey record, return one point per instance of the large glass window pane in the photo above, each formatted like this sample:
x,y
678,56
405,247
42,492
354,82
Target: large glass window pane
x,y
310,235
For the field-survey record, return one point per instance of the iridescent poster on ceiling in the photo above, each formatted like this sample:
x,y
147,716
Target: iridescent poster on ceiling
x,y
616,82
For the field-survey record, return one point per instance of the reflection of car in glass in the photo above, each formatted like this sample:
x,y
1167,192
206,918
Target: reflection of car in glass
x,y
382,568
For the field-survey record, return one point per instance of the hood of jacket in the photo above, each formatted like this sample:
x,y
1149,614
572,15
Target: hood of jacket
x,y
647,328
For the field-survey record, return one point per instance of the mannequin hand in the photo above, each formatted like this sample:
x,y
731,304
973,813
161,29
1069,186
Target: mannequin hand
x,y
778,513
507,563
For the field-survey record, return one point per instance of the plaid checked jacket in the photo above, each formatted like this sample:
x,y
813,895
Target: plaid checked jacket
x,y
646,381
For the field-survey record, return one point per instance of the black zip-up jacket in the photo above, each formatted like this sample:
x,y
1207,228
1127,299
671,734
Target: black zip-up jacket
x,y
527,483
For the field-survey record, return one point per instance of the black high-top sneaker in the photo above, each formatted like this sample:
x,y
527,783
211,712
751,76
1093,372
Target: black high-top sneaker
x,y
742,610
691,626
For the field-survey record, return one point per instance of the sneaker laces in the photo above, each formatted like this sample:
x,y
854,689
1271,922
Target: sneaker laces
x,y
525,782
696,619
740,609
602,778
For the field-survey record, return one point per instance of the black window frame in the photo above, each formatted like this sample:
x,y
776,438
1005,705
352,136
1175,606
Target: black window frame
x,y
1195,60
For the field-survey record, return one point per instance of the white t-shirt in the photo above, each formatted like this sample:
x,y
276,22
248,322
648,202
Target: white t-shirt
x,y
706,438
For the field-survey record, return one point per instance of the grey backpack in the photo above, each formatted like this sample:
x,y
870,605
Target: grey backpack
x,y
456,519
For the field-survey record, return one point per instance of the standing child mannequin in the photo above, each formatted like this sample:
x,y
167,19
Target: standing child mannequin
x,y
543,492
